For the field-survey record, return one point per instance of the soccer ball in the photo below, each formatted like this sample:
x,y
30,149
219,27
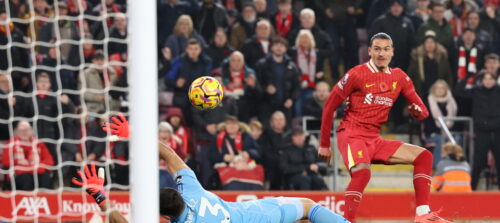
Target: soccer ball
x,y
205,93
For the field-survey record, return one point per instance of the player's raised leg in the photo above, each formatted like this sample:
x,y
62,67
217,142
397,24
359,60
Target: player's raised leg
x,y
422,162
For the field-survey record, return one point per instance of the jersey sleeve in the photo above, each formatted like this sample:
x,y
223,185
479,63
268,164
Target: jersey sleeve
x,y
338,95
412,97
187,183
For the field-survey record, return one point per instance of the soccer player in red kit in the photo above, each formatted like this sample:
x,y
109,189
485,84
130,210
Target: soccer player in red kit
x,y
371,90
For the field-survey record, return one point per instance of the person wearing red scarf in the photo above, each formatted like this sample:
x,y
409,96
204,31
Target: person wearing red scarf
x,y
284,20
29,157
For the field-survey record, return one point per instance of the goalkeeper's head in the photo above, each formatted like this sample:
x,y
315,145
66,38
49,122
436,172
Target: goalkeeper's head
x,y
171,203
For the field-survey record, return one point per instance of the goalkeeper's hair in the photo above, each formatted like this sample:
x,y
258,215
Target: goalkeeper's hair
x,y
171,202
380,35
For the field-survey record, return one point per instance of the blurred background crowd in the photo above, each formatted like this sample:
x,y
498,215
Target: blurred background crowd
x,y
63,72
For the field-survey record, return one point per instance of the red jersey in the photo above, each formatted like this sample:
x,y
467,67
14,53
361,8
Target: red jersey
x,y
25,157
371,95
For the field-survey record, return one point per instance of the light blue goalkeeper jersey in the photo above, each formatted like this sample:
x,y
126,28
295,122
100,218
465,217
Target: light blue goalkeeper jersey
x,y
205,207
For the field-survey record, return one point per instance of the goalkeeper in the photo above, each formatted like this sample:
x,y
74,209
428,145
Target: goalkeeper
x,y
192,203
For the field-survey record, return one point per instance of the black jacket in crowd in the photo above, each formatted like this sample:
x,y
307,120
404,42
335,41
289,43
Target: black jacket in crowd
x,y
218,54
209,19
296,160
485,105
402,33
266,77
312,107
253,51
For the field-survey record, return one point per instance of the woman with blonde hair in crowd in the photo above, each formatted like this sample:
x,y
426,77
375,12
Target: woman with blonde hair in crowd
x,y
183,31
453,172
310,63
441,103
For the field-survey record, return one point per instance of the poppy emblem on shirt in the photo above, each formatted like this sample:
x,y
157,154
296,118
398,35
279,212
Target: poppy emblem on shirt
x,y
383,87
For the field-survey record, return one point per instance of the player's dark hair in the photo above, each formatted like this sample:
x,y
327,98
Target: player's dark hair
x,y
171,203
380,36
436,4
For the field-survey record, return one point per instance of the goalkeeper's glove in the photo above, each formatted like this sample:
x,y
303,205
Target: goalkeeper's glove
x,y
93,183
119,127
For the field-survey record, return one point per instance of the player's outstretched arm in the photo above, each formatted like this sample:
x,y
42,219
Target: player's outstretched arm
x,y
94,185
417,107
174,162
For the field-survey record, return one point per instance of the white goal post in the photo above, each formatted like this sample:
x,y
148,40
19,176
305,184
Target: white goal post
x,y
143,107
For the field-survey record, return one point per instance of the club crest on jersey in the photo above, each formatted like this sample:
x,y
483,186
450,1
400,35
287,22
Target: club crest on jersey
x,y
343,82
394,86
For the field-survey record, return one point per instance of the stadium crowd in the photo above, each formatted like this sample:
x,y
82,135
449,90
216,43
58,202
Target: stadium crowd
x,y
63,75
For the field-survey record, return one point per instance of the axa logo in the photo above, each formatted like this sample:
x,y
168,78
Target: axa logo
x,y
32,206
368,99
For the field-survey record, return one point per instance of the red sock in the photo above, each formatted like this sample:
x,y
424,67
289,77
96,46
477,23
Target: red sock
x,y
354,192
422,177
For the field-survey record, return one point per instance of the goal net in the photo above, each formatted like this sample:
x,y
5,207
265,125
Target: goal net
x,y
63,72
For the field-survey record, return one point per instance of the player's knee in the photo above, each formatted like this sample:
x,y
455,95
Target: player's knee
x,y
361,174
360,166
307,204
424,157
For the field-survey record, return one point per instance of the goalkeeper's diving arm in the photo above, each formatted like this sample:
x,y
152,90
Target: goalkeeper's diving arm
x,y
175,163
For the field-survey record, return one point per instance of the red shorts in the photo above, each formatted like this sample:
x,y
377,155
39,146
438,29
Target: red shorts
x,y
364,147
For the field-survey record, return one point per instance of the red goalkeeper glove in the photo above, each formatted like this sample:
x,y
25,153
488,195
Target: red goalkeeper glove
x,y
415,110
93,183
119,127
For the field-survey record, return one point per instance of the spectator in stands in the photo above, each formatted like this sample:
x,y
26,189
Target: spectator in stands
x,y
313,106
256,130
211,16
490,21
95,148
175,118
183,32
323,41
420,14
438,24
279,76
168,12
6,102
401,30
237,149
284,21
185,69
27,153
376,9
469,63
484,39
300,165
429,62
274,139
94,81
118,31
453,172
340,25
41,10
310,63
219,49
17,56
67,77
244,27
441,103
257,47
240,83
492,64
88,52
232,17
167,137
261,9
47,106
485,107
456,14
66,30
97,28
